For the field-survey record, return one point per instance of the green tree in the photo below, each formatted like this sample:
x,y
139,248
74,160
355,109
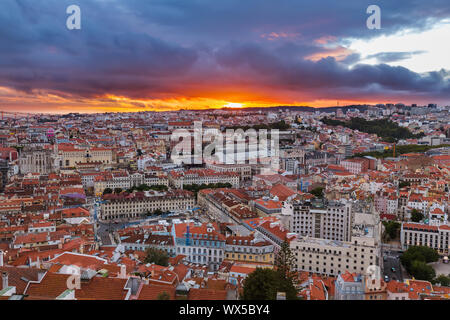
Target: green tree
x,y
443,280
403,184
391,228
156,256
285,261
416,215
263,284
107,191
422,271
118,190
318,192
163,296
415,261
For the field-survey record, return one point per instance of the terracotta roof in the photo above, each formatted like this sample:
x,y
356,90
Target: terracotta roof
x,y
17,277
207,294
152,292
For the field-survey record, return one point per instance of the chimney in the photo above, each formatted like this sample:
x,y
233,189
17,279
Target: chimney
x,y
5,280
123,271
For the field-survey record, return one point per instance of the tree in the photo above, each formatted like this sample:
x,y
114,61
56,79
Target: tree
x,y
285,261
422,271
318,192
403,184
415,261
416,215
163,296
118,190
107,191
391,228
443,280
156,256
263,284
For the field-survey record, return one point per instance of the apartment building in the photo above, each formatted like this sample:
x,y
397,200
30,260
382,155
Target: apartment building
x,y
200,243
433,236
133,206
322,219
144,241
244,170
202,176
124,180
333,257
356,166
349,286
70,155
249,250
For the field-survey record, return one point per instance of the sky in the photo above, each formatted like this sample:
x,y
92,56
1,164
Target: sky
x,y
138,55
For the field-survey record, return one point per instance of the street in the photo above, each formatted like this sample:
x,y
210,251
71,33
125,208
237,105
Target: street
x,y
392,260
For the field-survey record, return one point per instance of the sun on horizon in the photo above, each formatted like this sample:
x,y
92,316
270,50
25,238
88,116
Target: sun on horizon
x,y
234,105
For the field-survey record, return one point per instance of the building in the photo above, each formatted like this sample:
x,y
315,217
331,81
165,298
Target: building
x,y
200,243
244,170
70,155
333,257
266,207
320,219
349,286
202,176
356,166
433,236
36,161
249,250
133,206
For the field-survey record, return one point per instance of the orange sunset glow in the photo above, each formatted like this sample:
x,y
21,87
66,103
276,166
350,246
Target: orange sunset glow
x,y
147,57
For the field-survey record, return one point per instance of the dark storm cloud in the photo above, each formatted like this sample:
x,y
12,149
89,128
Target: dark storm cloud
x,y
385,57
327,72
157,48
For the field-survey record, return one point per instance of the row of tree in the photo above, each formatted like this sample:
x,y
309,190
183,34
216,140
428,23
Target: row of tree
x,y
195,188
280,125
141,188
387,130
410,148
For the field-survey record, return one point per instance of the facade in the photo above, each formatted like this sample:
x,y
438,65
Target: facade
x,y
200,243
321,219
349,286
124,180
141,242
332,257
356,166
202,176
36,161
244,170
433,236
137,204
70,155
249,250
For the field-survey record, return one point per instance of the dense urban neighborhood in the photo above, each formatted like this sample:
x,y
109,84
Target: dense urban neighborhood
x,y
343,203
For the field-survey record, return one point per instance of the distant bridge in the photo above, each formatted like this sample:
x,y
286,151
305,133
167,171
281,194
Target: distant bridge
x,y
16,115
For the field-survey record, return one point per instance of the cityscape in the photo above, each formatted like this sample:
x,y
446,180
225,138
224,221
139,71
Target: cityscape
x,y
248,158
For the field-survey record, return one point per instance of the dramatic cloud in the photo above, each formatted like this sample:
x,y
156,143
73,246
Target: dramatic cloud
x,y
166,54
384,57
